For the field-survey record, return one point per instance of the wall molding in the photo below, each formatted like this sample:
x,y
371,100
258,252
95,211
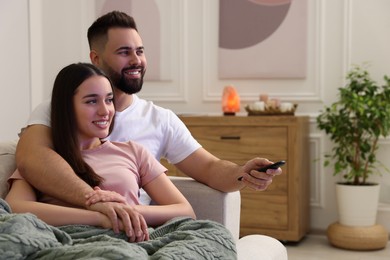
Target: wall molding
x,y
347,39
36,53
316,177
175,90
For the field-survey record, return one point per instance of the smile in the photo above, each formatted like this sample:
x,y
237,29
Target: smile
x,y
102,123
132,72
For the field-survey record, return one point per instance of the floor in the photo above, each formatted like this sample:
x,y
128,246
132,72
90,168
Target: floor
x,y
314,247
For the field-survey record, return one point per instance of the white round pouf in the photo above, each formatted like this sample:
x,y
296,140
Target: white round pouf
x,y
260,247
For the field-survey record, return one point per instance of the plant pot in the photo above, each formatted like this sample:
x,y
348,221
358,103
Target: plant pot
x,y
357,204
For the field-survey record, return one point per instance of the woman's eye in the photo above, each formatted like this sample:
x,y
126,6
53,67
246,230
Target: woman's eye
x,y
109,100
91,101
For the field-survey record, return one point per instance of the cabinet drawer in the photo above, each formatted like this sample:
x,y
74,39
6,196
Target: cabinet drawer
x,y
263,211
241,143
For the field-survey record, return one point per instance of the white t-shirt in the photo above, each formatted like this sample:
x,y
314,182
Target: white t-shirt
x,y
156,128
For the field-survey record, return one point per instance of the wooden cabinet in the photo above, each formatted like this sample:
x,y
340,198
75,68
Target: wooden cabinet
x,y
282,211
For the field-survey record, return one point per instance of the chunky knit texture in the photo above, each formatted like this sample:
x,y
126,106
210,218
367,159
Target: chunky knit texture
x,y
24,236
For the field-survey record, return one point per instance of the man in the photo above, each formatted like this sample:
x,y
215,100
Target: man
x,y
116,48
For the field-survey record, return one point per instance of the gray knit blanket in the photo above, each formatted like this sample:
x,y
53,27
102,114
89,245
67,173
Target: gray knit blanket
x,y
24,236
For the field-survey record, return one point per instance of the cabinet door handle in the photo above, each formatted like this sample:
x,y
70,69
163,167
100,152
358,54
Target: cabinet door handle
x,y
223,137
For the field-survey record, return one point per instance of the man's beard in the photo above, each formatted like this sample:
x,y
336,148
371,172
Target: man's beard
x,y
129,86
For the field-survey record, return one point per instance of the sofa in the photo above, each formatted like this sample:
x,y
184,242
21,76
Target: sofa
x,y
207,203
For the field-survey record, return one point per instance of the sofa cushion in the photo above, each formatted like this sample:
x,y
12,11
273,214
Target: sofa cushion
x,y
7,164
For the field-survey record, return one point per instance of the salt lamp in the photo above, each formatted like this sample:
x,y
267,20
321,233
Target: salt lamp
x,y
230,101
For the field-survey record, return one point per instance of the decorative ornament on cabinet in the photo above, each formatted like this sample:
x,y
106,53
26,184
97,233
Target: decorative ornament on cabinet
x,y
230,101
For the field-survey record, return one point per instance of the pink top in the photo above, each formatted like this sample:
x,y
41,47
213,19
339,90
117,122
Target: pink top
x,y
125,167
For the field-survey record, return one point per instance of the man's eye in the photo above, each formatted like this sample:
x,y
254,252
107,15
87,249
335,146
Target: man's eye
x,y
123,53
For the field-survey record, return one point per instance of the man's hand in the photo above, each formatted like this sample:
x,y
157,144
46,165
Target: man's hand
x,y
123,217
99,195
258,180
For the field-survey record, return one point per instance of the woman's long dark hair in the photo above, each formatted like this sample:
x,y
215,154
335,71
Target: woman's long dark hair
x,y
63,119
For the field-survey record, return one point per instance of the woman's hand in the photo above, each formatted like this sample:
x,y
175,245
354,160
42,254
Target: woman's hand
x,y
119,216
99,195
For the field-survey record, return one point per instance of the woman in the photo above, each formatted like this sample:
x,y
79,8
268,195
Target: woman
x,y
81,116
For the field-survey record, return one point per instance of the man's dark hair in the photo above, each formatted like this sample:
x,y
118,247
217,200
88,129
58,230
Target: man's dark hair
x,y
97,32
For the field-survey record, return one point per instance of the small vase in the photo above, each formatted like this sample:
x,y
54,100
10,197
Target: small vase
x,y
357,204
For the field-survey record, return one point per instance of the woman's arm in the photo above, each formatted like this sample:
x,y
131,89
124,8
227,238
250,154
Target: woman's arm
x,y
22,199
170,202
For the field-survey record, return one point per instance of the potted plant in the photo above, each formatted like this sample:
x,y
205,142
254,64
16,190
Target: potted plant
x,y
354,123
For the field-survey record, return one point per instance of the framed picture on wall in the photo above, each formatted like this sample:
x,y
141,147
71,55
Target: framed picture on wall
x,y
264,38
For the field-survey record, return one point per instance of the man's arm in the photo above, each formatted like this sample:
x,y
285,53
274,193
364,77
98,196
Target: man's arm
x,y
223,175
46,170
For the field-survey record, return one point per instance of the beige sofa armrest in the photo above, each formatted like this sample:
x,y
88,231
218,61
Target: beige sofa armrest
x,y
7,164
211,204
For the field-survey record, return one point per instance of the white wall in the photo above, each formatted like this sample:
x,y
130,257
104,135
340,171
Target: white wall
x,y
14,67
341,32
58,38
